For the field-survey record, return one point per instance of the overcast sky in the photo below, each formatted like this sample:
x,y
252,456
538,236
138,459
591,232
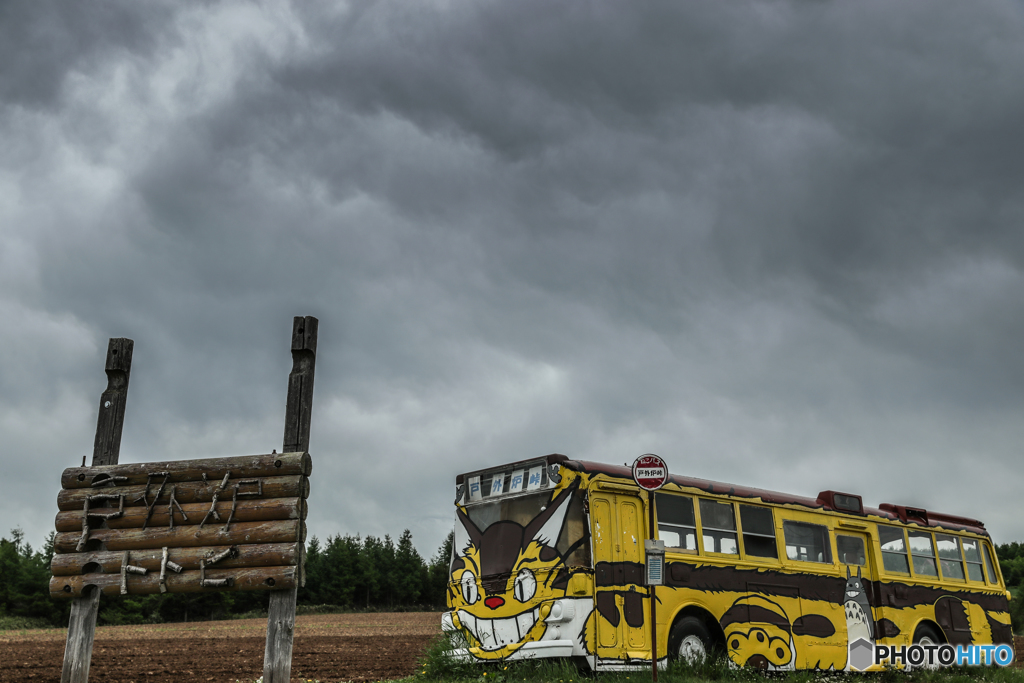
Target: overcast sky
x,y
781,244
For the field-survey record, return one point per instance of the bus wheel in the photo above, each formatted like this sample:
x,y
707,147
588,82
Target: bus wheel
x,y
689,641
926,635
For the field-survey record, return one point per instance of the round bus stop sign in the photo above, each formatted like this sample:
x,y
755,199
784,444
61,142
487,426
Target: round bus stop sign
x,y
650,472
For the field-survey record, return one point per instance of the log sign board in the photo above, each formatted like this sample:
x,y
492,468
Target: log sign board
x,y
182,527
650,472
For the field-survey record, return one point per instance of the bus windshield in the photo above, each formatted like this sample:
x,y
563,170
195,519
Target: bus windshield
x,y
523,509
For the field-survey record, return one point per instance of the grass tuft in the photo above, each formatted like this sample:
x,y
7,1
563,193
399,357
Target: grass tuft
x,y
438,666
13,623
441,662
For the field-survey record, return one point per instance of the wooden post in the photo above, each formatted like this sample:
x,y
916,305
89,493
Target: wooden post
x,y
81,631
106,449
107,446
277,658
300,385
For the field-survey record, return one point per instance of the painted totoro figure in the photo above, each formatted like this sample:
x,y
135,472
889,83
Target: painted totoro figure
x,y
859,622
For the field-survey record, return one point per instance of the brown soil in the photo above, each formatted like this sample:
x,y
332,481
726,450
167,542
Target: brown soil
x,y
329,647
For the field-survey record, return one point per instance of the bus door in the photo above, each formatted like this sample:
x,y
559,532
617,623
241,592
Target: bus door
x,y
863,613
618,533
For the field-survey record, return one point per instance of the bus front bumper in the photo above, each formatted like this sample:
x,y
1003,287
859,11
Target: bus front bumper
x,y
566,618
531,650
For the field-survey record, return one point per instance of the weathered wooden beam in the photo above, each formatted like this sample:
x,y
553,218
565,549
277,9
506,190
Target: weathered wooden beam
x,y
295,486
214,469
81,631
109,562
260,510
110,421
106,450
277,658
299,408
277,655
285,531
242,579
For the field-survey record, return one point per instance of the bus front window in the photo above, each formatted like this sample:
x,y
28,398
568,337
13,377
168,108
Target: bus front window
x,y
523,509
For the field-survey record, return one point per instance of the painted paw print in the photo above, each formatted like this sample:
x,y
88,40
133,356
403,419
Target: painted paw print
x,y
759,648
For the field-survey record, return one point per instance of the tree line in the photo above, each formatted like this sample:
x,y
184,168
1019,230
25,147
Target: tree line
x,y
342,572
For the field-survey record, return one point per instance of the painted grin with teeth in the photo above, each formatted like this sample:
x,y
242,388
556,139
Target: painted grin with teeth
x,y
507,634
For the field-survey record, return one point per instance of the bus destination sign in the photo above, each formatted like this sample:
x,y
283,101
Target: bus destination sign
x,y
650,472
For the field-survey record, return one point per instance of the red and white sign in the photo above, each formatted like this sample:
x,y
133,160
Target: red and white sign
x,y
650,472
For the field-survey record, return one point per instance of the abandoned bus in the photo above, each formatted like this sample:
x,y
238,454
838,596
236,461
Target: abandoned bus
x,y
548,561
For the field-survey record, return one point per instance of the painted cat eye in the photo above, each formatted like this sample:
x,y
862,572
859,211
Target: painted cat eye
x,y
469,589
526,585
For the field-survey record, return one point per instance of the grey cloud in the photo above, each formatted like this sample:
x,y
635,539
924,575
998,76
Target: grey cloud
x,y
42,41
763,239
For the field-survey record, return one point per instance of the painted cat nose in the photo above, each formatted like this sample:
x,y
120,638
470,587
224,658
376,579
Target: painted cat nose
x,y
494,602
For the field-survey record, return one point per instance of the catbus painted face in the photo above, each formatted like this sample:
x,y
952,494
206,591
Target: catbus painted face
x,y
501,578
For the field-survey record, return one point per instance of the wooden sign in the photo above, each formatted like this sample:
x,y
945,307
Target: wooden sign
x,y
218,524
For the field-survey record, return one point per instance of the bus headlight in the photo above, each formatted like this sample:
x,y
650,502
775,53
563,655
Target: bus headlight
x,y
561,610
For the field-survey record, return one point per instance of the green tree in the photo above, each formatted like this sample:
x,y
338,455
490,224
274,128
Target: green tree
x,y
371,582
315,574
409,572
438,572
341,571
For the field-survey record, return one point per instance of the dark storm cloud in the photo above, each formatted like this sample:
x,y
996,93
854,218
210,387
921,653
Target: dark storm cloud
x,y
42,41
779,239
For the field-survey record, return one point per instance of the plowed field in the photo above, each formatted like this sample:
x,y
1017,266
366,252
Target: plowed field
x,y
330,647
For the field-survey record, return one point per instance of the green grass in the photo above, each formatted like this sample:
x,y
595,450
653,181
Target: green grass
x,y
10,623
561,671
439,664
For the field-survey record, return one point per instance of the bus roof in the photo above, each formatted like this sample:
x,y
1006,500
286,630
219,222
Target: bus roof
x,y
901,513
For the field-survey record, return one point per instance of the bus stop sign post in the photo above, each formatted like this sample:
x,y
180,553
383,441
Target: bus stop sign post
x,y
650,474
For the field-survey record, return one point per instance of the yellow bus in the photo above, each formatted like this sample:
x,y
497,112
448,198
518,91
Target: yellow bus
x,y
548,561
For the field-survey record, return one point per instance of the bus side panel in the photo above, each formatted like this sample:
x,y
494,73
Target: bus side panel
x,y
790,620
770,619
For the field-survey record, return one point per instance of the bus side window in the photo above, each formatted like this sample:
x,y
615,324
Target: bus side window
x,y
973,557
923,553
851,550
950,560
993,578
807,542
676,523
718,524
758,532
894,549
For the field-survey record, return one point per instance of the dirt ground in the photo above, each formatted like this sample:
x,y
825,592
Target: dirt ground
x,y
328,647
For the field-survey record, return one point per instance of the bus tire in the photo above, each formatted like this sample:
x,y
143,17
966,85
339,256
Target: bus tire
x,y
925,634
689,641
